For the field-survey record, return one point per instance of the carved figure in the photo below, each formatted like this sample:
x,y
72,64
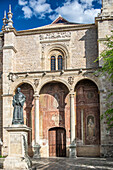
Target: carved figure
x,y
91,128
18,102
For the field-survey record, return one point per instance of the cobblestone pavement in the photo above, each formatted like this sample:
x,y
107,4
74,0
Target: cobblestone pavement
x,y
73,164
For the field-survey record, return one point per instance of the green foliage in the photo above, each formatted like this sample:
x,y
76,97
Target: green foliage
x,y
107,69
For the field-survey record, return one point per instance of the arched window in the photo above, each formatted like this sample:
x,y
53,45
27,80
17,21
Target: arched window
x,y
59,62
53,63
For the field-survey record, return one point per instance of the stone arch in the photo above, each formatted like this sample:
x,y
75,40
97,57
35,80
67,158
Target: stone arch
x,y
87,78
55,80
62,49
96,81
17,84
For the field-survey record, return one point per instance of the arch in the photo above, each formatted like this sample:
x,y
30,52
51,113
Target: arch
x,y
57,47
49,80
87,106
17,84
87,78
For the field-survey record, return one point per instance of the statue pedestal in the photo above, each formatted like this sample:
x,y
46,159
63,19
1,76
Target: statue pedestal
x,y
37,151
17,158
72,150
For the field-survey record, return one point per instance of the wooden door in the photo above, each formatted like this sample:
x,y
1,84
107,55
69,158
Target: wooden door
x,y
52,142
57,142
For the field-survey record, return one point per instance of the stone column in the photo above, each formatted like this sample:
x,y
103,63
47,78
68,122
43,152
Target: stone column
x,y
36,146
72,127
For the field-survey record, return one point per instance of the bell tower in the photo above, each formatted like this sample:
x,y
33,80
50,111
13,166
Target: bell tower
x,y
107,8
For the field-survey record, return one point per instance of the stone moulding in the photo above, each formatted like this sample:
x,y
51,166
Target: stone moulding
x,y
10,47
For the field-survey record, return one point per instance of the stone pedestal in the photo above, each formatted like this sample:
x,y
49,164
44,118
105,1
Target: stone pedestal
x,y
17,158
72,150
37,151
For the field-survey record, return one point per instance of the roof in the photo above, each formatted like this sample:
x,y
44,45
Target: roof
x,y
60,19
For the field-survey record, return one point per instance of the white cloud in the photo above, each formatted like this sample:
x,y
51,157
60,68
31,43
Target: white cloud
x,y
22,2
40,7
35,7
77,12
27,12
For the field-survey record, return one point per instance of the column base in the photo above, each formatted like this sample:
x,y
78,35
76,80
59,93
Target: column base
x,y
37,151
72,150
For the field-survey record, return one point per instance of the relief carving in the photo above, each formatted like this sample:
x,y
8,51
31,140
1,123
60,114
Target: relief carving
x,y
55,35
91,129
71,80
36,82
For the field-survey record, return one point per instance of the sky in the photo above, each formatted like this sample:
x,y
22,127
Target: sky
x,y
28,14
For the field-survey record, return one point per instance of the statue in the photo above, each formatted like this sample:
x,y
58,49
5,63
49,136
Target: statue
x,y
18,102
91,128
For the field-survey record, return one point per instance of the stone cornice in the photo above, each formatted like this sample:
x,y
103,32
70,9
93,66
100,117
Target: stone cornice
x,y
7,95
55,29
102,18
56,71
10,47
54,40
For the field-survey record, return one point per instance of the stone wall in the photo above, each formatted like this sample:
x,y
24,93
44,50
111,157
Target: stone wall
x,y
1,71
83,48
33,51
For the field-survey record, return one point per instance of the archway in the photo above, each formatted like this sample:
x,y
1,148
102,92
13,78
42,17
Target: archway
x,y
28,112
87,118
57,142
54,112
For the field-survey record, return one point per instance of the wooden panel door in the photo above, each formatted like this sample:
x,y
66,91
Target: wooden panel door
x,y
52,143
57,142
61,143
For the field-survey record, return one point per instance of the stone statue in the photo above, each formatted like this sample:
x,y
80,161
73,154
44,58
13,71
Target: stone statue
x,y
91,128
18,102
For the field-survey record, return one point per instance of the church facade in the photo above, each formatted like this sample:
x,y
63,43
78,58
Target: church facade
x,y
55,69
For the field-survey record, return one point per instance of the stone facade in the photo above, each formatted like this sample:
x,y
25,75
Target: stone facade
x,y
25,61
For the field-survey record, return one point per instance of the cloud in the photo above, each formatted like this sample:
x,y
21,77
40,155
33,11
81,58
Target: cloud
x,y
22,2
78,11
35,7
40,7
27,12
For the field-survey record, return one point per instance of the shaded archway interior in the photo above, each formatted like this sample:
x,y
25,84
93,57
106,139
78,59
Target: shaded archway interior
x,y
54,112
28,112
87,113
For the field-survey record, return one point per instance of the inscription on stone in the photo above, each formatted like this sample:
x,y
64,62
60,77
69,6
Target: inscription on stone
x,y
15,144
55,35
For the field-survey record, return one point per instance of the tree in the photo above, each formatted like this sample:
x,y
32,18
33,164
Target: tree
x,y
107,70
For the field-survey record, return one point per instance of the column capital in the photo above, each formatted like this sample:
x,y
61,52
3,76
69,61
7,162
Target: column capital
x,y
71,94
36,96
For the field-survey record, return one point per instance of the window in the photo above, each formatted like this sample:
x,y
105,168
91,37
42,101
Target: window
x,y
53,63
59,62
56,59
